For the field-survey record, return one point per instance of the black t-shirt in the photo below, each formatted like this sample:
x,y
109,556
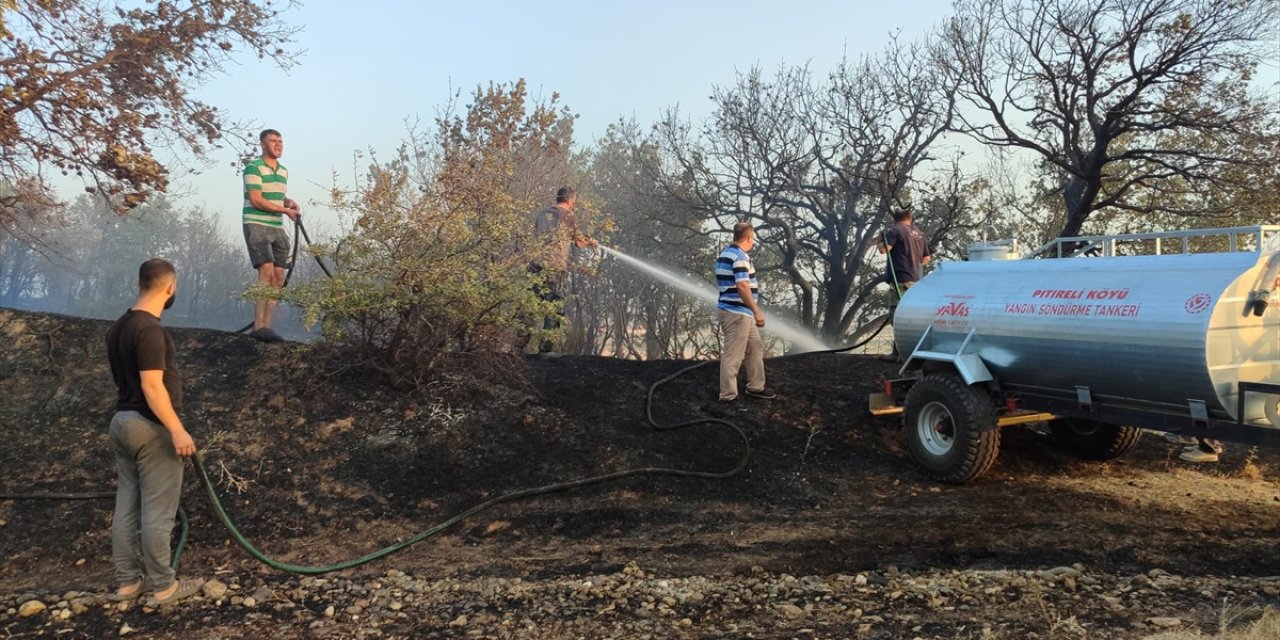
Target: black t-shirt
x,y
909,248
137,342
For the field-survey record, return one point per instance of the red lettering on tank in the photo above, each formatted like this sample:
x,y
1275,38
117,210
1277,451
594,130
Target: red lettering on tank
x,y
1065,309
1058,294
954,310
1107,294
1117,310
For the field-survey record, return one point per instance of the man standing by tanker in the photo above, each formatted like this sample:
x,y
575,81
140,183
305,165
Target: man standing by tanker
x,y
148,441
908,250
265,205
740,317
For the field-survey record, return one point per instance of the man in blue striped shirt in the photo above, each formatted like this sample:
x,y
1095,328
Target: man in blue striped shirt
x,y
740,317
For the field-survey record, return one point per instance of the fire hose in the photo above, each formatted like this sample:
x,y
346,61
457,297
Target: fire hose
x,y
257,554
298,227
219,510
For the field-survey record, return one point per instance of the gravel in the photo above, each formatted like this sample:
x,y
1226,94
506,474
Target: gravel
x,y
633,603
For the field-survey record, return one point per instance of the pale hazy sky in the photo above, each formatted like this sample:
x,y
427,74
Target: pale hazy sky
x,y
368,66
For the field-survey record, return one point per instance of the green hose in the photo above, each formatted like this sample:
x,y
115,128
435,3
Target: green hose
x,y
293,262
262,557
259,555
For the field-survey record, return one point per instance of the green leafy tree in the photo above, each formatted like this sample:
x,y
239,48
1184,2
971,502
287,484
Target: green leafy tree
x,y
435,260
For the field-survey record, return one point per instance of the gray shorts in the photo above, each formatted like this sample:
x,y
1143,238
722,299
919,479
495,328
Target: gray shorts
x,y
267,245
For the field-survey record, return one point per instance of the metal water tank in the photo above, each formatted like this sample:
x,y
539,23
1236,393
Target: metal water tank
x,y
1151,332
993,250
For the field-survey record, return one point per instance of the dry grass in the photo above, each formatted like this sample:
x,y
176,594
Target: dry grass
x,y
1249,469
1246,624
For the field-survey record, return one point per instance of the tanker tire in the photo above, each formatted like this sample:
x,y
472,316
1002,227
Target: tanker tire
x,y
950,428
1093,440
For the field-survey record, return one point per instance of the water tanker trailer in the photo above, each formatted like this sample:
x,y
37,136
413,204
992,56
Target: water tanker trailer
x,y
1100,337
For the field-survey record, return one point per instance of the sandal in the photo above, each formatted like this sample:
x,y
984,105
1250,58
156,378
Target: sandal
x,y
116,596
186,588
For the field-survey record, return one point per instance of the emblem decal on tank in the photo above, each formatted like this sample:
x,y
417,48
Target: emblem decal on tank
x,y
1198,303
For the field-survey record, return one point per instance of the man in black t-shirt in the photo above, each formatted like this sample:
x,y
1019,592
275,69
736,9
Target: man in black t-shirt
x,y
148,441
908,252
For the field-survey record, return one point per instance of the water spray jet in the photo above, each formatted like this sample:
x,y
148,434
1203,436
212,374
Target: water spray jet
x,y
801,340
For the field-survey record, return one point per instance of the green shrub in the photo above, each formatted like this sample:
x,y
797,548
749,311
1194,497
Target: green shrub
x,y
423,272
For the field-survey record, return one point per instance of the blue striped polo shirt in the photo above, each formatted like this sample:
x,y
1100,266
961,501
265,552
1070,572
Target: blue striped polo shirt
x,y
734,266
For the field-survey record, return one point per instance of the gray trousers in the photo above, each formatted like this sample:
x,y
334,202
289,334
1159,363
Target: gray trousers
x,y
150,486
741,343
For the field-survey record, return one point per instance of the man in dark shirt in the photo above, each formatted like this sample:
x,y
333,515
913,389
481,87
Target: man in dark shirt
x,y
557,229
148,441
557,226
908,252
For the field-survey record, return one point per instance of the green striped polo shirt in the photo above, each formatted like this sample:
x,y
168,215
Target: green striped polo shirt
x,y
258,176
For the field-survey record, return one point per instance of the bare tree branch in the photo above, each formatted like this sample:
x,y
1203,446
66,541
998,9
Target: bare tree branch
x,y
1095,88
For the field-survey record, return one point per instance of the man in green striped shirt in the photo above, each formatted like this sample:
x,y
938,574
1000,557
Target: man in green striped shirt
x,y
265,204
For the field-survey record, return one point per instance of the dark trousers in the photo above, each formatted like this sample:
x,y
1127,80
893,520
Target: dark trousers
x,y
549,291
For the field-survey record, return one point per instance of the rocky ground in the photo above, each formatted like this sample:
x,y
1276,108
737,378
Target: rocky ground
x,y
1061,602
829,532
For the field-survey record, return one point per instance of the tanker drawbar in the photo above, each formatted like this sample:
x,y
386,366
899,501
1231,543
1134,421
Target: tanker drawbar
x,y
1107,335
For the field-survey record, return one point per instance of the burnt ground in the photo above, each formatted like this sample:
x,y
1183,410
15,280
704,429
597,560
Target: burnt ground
x,y
318,463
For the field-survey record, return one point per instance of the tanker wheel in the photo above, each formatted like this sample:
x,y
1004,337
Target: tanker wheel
x,y
950,428
1093,440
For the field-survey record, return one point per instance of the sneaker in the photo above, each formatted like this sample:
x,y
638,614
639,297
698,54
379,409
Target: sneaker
x,y
1177,438
116,596
267,334
1196,454
186,588
725,408
763,394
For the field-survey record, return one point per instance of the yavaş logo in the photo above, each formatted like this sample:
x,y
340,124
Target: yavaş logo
x,y
953,310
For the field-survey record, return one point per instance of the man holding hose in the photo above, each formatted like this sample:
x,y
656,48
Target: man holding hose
x,y
265,204
149,443
557,228
908,250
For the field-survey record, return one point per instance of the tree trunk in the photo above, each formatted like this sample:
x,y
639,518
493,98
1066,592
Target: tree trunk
x,y
833,310
1081,191
652,343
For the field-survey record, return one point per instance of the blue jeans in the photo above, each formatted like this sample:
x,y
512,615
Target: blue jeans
x,y
150,486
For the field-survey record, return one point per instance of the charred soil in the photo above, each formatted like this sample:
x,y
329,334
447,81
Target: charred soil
x,y
318,463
